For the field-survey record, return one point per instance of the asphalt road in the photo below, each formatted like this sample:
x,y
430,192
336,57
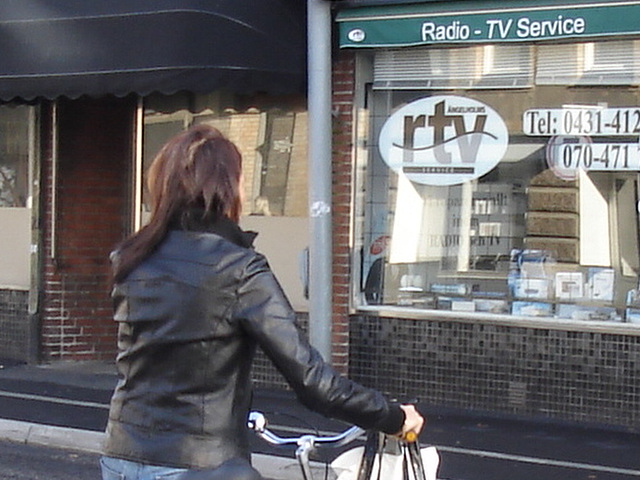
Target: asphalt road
x,y
470,447
31,462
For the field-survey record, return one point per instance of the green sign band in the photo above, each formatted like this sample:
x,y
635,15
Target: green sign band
x,y
386,28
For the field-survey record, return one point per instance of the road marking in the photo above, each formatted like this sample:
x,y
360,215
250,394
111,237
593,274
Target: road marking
x,y
62,401
496,455
539,461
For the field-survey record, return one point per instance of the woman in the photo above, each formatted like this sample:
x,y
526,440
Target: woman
x,y
193,300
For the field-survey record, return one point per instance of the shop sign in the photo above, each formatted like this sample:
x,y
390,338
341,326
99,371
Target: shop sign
x,y
582,120
573,129
424,25
443,140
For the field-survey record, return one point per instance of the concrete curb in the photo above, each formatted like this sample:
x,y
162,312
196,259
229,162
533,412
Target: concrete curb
x,y
270,466
51,436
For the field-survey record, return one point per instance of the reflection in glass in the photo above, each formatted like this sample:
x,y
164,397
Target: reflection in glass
x,y
271,138
14,156
525,239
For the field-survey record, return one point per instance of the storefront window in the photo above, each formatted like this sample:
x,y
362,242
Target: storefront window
x,y
14,156
509,189
17,126
271,134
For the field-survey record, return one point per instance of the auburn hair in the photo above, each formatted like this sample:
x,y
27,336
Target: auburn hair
x,y
197,169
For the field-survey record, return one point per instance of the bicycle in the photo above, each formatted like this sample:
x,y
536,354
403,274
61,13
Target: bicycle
x,y
360,463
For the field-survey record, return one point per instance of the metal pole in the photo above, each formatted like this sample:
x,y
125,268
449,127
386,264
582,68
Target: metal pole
x,y
320,243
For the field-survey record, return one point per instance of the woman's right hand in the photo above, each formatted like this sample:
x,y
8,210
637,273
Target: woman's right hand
x,y
413,422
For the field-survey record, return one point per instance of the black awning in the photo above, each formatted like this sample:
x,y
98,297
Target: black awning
x,y
52,48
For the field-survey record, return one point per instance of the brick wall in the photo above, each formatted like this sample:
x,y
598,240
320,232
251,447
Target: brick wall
x,y
94,155
343,94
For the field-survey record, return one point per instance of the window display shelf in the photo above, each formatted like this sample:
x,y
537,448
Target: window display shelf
x,y
547,323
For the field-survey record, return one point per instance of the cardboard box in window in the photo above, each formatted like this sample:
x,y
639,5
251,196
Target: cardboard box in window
x,y
537,288
569,285
532,309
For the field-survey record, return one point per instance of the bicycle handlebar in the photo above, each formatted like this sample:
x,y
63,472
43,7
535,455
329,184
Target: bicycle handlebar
x,y
258,423
306,443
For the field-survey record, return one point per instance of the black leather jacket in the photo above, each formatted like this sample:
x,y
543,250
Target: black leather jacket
x,y
190,318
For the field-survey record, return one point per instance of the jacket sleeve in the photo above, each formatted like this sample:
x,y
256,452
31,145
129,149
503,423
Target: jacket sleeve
x,y
267,316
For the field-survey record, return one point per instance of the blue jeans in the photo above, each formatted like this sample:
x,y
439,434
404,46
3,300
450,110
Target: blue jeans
x,y
117,469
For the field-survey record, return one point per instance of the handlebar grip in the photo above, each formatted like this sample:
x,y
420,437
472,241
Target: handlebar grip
x,y
410,437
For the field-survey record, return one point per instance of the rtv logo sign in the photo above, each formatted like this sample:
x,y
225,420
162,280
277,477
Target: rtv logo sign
x,y
443,140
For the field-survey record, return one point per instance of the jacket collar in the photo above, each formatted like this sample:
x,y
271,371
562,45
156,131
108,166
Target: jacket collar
x,y
197,220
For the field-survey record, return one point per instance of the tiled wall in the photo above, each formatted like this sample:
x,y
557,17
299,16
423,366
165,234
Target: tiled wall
x,y
265,375
583,377
14,325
